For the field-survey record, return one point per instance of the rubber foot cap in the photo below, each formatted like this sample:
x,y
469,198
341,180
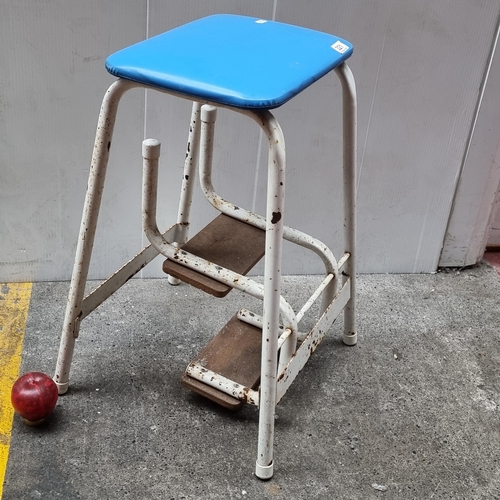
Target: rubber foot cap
x,y
264,472
62,388
351,339
173,281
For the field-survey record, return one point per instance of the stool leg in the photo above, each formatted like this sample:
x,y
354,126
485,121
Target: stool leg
x,y
349,154
272,278
93,197
190,163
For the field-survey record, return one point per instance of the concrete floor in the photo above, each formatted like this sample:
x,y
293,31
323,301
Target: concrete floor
x,y
413,408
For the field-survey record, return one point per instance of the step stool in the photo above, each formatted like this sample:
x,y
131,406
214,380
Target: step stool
x,y
250,66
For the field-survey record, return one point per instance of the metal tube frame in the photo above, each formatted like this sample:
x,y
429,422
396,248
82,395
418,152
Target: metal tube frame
x,y
190,164
349,121
151,152
236,212
100,156
274,380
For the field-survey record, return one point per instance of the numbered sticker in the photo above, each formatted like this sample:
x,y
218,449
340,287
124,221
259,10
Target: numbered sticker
x,y
340,47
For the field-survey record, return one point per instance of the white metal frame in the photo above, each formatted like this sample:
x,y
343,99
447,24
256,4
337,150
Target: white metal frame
x,y
279,322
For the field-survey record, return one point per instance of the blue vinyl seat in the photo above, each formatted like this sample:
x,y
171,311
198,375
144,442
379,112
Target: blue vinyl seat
x,y
232,60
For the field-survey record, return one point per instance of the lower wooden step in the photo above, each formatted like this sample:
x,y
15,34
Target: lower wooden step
x,y
234,353
227,242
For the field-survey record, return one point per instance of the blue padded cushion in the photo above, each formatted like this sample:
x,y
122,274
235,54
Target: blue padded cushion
x,y
235,60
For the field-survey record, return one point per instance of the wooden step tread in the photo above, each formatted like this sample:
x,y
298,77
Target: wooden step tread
x,y
227,242
234,353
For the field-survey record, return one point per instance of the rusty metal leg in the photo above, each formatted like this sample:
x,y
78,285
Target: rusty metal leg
x,y
93,197
272,278
190,163
349,123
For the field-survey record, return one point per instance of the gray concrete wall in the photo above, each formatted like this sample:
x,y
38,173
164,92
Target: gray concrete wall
x,y
419,68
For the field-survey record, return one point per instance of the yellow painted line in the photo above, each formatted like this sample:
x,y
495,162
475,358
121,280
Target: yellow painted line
x,y
14,304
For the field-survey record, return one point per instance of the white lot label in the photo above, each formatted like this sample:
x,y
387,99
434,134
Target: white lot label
x,y
340,47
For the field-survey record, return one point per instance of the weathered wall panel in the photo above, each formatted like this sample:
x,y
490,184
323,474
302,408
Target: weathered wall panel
x,y
418,67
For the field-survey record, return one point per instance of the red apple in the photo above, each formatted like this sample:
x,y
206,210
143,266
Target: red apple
x,y
34,396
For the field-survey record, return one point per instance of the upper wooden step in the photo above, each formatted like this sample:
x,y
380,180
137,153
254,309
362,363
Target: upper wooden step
x,y
227,242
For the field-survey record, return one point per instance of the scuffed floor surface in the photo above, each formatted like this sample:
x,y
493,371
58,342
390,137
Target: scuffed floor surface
x,y
413,409
493,259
